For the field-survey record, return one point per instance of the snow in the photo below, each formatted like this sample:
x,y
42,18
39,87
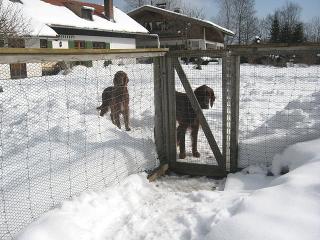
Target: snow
x,y
283,207
43,15
54,144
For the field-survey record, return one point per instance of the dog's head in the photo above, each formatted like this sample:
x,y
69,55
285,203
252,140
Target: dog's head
x,y
120,79
205,96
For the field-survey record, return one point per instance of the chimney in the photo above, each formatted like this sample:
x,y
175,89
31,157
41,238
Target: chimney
x,y
108,9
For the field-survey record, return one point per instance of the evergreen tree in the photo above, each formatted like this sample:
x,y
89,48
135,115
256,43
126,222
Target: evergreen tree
x,y
297,35
275,30
285,34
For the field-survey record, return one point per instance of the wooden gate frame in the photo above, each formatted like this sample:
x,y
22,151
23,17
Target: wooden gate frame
x,y
165,113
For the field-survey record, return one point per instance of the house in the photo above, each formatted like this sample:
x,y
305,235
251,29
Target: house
x,y
67,24
177,30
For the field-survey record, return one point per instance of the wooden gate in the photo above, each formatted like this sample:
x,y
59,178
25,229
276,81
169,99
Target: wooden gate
x,y
217,158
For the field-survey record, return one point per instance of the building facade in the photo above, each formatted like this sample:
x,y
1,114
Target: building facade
x,y
69,24
178,31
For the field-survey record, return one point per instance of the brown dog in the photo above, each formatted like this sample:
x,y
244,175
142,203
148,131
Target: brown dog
x,y
116,99
187,117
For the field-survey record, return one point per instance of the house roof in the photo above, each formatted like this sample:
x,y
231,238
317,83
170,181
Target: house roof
x,y
202,22
45,14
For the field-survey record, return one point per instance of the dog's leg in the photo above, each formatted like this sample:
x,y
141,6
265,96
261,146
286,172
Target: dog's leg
x,y
126,119
181,133
116,119
111,116
194,139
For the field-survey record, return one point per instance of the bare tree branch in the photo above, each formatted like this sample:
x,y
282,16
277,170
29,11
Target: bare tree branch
x,y
12,22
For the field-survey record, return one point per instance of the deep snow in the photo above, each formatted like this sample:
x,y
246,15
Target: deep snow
x,y
279,207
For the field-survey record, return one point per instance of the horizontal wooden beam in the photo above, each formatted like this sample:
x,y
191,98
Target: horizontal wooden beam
x,y
269,48
199,170
198,53
31,55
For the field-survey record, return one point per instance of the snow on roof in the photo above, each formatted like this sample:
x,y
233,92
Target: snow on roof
x,y
150,7
44,15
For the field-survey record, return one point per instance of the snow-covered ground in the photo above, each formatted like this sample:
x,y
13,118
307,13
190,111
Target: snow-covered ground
x,y
55,146
252,206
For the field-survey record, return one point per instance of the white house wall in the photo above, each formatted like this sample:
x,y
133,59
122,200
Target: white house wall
x,y
115,43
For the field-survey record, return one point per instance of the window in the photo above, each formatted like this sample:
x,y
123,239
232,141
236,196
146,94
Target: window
x,y
18,70
99,45
86,13
79,44
43,43
195,44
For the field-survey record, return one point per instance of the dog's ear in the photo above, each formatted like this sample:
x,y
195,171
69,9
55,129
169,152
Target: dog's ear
x,y
212,97
127,79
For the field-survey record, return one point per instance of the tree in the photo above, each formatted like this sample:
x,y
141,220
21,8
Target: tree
x,y
285,34
225,17
286,25
264,26
275,30
298,34
238,16
312,30
289,15
13,24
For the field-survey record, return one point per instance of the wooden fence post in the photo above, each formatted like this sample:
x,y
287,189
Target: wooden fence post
x,y
235,98
165,110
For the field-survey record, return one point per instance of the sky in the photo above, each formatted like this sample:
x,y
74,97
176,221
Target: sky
x,y
310,8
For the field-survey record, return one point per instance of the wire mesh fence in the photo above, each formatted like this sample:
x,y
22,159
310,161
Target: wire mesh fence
x,y
279,103
53,142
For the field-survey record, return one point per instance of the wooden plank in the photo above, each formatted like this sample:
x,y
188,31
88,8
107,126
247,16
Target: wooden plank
x,y
235,84
197,53
194,169
164,112
158,118
225,139
263,49
53,51
196,107
29,55
172,133
168,109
